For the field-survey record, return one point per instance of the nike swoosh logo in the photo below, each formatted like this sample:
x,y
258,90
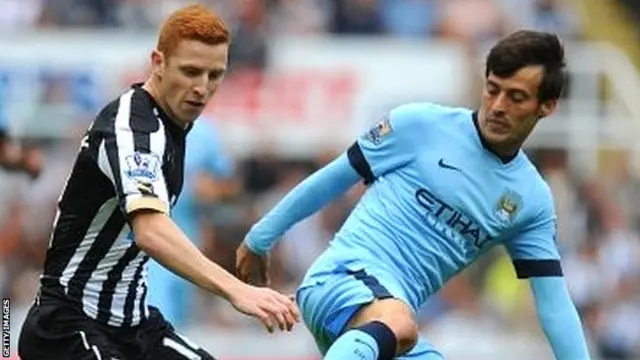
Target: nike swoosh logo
x,y
442,164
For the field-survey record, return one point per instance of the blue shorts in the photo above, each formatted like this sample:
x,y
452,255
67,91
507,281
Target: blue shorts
x,y
328,304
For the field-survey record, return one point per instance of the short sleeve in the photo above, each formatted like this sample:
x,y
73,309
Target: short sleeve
x,y
534,250
131,156
389,144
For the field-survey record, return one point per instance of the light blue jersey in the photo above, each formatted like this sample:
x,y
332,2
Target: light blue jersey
x,y
437,199
171,294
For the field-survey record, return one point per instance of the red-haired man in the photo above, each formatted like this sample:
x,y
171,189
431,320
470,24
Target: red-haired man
x,y
113,216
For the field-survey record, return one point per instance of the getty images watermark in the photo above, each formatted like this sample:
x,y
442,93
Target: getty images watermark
x,y
6,335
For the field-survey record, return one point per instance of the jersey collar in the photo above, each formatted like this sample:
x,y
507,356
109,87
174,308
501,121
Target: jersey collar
x,y
505,159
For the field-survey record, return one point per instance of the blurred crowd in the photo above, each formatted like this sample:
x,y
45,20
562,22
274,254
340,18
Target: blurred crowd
x,y
599,218
407,18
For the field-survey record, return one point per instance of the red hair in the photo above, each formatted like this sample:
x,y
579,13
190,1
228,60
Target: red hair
x,y
193,22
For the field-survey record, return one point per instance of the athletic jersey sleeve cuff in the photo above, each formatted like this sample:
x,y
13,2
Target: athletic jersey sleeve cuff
x,y
146,203
537,268
360,163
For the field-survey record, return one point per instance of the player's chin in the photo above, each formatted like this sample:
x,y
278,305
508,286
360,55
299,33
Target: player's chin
x,y
189,115
497,137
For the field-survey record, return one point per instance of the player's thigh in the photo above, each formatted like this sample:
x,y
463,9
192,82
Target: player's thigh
x,y
82,345
394,313
423,350
329,302
73,347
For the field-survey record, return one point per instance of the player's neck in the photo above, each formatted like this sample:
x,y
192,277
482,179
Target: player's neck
x,y
150,87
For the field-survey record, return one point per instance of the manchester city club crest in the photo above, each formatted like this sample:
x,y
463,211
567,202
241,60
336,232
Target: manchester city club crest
x,y
508,206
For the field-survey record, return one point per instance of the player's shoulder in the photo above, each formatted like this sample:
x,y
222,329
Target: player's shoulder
x,y
131,110
427,111
538,191
428,114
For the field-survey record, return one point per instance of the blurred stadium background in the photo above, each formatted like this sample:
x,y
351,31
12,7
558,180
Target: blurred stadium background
x,y
307,77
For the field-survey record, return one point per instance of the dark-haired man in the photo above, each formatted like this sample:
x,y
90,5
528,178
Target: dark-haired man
x,y
445,185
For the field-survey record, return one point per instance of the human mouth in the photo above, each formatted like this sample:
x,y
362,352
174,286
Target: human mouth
x,y
196,104
498,125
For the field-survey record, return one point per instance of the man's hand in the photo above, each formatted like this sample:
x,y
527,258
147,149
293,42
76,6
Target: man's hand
x,y
270,307
247,263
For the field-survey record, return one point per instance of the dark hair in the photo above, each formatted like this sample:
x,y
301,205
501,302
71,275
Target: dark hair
x,y
524,48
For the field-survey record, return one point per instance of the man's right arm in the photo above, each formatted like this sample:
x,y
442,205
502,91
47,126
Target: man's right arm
x,y
386,146
305,199
135,169
130,155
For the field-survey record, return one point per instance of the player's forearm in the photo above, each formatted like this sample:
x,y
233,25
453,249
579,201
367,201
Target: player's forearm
x,y
559,318
160,238
305,199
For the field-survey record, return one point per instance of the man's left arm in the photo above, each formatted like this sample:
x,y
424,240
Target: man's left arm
x,y
535,257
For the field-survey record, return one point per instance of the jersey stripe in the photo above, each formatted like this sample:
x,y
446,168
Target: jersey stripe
x,y
71,277
133,292
100,241
157,144
115,146
107,296
94,288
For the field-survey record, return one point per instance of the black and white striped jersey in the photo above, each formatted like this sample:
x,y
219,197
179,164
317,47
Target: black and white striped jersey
x,y
131,158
